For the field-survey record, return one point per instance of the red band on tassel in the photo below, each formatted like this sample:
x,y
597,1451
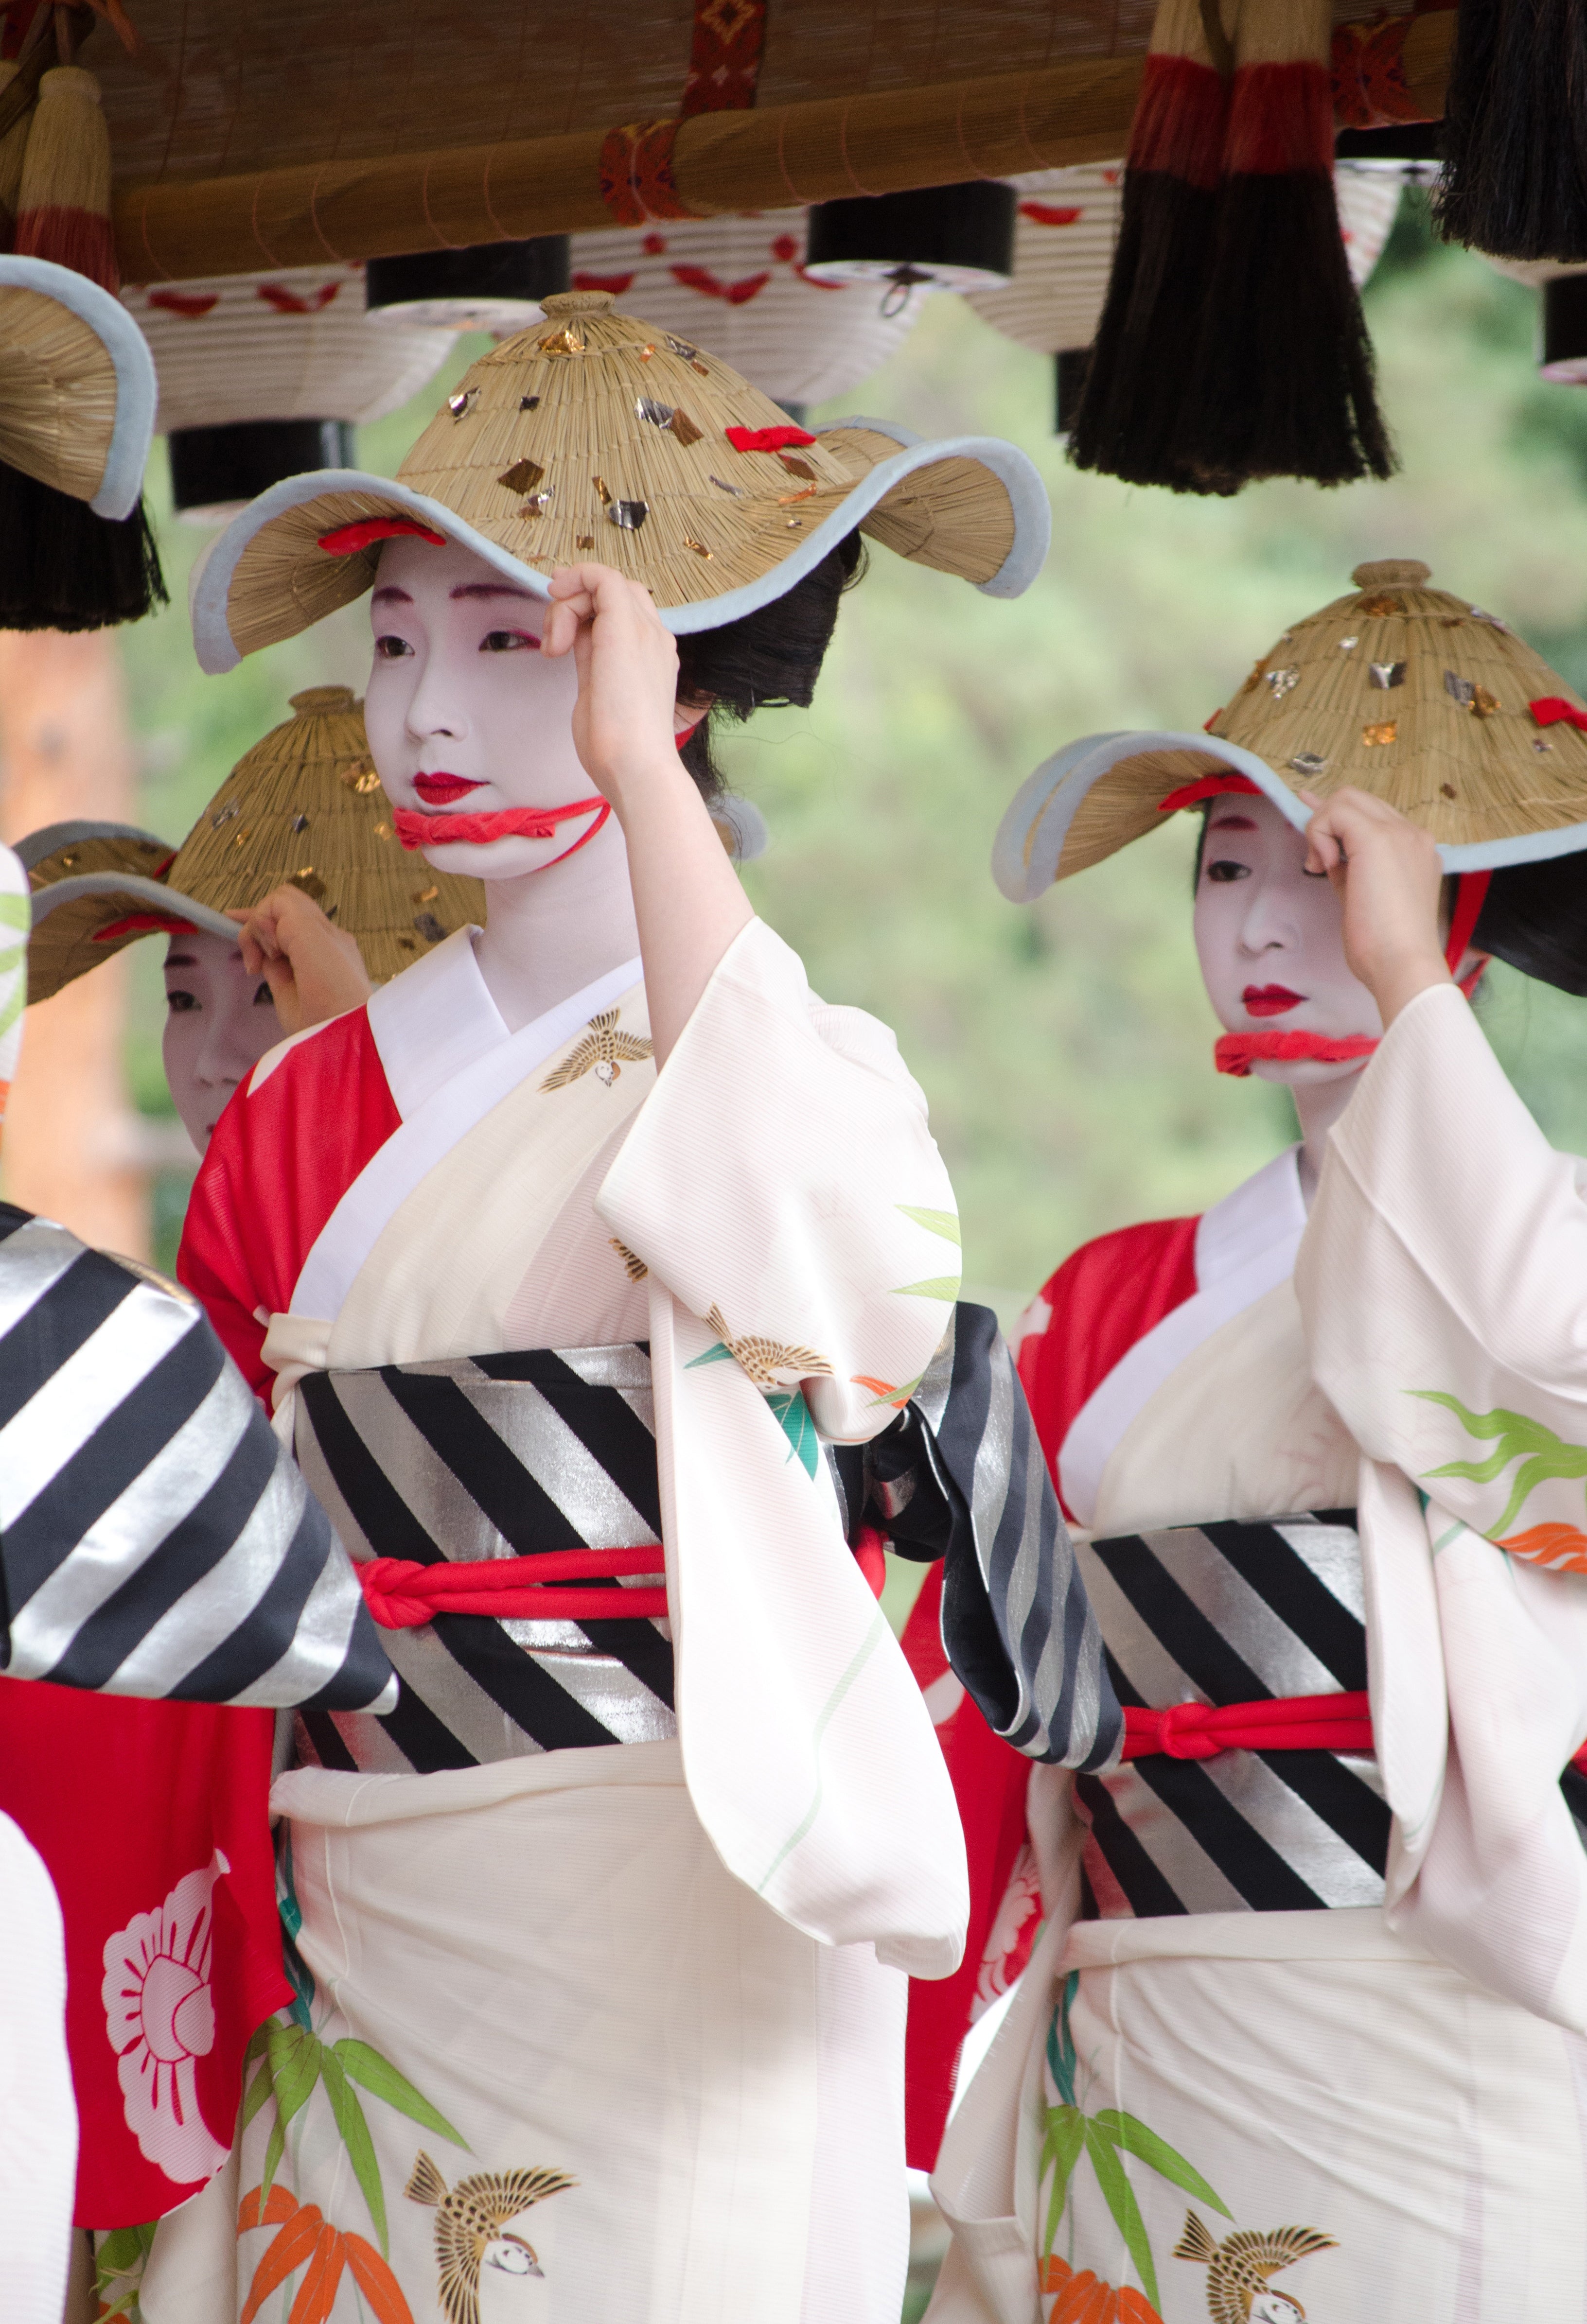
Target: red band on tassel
x,y
767,439
1280,122
402,1594
1553,710
1237,1053
1178,130
347,539
1207,787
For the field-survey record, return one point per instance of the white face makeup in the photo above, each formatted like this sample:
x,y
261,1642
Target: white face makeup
x,y
1270,940
219,1022
459,687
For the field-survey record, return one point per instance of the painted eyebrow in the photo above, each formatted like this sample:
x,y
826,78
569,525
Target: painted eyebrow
x,y
1231,823
180,959
493,589
391,595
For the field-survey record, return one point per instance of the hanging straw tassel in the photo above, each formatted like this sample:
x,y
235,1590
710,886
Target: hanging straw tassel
x,y
64,210
1126,422
1515,130
64,568
13,146
1281,383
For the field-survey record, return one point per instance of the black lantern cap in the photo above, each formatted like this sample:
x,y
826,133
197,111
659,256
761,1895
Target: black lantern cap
x,y
1564,355
953,237
217,471
486,286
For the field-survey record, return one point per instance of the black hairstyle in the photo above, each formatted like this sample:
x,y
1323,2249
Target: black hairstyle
x,y
1535,916
771,656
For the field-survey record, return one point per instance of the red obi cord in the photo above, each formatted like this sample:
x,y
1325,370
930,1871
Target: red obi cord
x,y
1292,1722
403,1595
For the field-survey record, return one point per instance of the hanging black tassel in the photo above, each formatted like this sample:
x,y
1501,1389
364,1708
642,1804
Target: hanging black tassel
x,y
62,567
1127,421
1515,130
1282,381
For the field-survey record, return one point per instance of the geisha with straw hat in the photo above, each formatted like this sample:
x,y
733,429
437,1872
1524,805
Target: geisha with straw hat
x,y
1304,2030
602,1275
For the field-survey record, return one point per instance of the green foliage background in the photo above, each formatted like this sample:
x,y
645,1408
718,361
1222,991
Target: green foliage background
x,y
1065,1049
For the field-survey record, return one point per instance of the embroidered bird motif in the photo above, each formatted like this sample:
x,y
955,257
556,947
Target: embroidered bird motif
x,y
762,1360
603,1048
1239,2268
634,1266
469,2224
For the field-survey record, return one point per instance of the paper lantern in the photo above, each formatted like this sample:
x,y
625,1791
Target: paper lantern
x,y
250,365
948,237
738,286
296,345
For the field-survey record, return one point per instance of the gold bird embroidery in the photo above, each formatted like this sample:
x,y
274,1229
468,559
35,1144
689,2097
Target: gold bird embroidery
x,y
762,1360
604,1048
469,2224
634,1266
1239,2268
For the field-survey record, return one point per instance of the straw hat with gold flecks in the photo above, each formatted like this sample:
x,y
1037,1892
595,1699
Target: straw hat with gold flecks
x,y
1420,698
304,807
597,435
77,385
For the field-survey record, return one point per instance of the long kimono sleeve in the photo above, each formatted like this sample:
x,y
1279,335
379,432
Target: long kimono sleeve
x,y
155,1538
1443,1281
783,1188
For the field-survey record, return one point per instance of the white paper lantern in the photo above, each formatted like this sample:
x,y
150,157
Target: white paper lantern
x,y
1067,227
736,285
291,345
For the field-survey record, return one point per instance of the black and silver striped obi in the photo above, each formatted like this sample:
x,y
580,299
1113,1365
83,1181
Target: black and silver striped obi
x,y
1237,1613
1224,1614
478,1457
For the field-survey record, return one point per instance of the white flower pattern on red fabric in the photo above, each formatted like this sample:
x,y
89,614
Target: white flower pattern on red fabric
x,y
1011,1935
160,2016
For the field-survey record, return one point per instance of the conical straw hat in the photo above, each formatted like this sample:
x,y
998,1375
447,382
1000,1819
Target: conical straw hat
x,y
594,435
1418,697
77,386
303,806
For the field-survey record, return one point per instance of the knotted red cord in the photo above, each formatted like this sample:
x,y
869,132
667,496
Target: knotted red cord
x,y
1299,1722
1236,1053
1289,1722
416,830
402,1594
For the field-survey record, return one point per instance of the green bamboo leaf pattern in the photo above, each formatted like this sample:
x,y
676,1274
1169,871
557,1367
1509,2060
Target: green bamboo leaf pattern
x,y
936,1287
1120,2197
1062,2147
254,2096
1128,2131
1060,2041
355,2138
1542,1453
16,911
377,2075
945,1223
792,1415
293,2067
275,2148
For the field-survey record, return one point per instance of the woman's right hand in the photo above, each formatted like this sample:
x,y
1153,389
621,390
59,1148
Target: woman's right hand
x,y
1389,881
314,971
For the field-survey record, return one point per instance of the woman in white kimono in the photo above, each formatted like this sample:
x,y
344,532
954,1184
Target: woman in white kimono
x,y
1302,2034
563,1259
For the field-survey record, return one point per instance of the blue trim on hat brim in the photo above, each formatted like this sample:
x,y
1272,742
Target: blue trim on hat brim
x,y
121,484
210,587
1029,843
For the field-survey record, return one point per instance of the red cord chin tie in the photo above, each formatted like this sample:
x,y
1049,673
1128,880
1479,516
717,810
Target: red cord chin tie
x,y
416,830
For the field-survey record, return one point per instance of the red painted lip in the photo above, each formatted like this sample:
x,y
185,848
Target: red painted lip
x,y
1270,999
441,790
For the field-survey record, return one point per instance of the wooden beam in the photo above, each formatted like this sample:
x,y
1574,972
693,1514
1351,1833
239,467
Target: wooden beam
x,y
1075,112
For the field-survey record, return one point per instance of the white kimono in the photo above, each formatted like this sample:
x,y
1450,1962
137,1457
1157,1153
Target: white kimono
x,y
635,2014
